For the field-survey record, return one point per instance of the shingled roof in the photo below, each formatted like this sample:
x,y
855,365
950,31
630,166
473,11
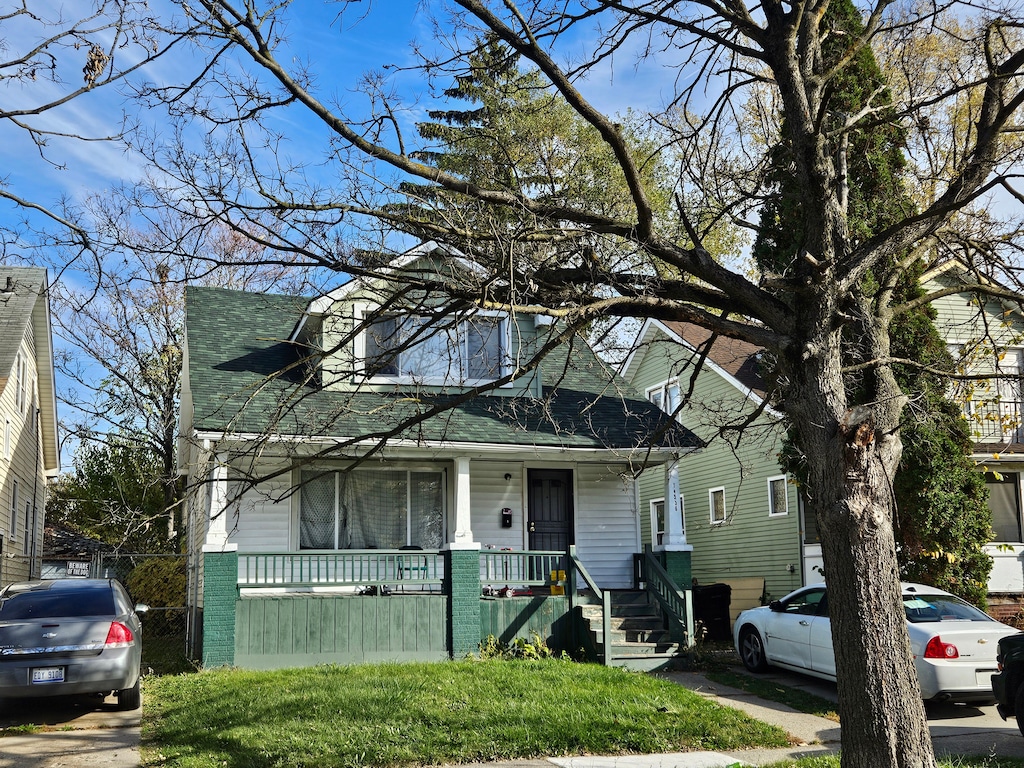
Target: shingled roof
x,y
20,288
737,358
244,377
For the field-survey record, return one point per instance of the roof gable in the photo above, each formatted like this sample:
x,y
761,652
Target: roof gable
x,y
246,375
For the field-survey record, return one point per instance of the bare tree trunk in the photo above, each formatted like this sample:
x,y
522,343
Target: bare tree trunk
x,y
852,454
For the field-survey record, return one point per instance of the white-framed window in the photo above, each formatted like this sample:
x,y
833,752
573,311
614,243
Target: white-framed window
x,y
665,396
658,519
716,501
778,496
371,509
7,438
20,383
414,348
28,525
14,510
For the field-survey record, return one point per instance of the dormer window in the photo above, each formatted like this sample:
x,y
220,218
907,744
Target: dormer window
x,y
429,350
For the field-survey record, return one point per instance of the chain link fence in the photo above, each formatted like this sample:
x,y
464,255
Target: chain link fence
x,y
159,581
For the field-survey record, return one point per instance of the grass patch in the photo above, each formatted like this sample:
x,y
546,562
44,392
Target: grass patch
x,y
766,689
414,714
18,730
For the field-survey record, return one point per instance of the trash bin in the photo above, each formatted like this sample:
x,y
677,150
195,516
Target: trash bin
x,y
711,606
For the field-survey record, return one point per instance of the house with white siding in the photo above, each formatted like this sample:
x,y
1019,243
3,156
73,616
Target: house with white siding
x,y
374,475
987,336
28,419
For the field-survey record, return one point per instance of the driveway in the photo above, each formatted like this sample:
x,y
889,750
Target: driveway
x,y
956,729
74,733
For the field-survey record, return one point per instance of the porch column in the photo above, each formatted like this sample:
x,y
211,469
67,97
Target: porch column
x,y
462,572
217,507
463,536
220,573
676,552
675,533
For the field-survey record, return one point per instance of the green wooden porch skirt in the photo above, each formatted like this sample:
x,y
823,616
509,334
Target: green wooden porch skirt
x,y
294,630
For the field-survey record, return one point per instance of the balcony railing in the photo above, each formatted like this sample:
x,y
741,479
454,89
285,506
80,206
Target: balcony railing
x,y
995,421
347,568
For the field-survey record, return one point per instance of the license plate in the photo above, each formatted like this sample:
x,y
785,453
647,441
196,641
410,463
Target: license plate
x,y
48,675
984,677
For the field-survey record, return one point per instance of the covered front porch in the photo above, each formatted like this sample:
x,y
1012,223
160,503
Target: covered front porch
x,y
267,607
271,610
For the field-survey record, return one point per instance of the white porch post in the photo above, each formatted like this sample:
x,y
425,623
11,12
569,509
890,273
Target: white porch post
x,y
463,538
217,509
675,534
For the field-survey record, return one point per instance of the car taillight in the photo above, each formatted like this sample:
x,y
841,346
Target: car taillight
x,y
118,635
936,649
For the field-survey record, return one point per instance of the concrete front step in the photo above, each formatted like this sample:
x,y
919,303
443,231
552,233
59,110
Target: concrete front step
x,y
624,611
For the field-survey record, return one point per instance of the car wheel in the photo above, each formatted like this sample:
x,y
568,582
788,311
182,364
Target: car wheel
x,y
752,650
130,698
1018,708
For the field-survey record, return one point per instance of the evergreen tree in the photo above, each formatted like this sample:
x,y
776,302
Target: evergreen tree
x,y
943,516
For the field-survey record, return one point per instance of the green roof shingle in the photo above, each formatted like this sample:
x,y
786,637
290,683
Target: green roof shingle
x,y
246,377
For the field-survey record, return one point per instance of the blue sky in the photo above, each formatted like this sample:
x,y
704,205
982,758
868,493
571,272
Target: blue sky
x,y
340,48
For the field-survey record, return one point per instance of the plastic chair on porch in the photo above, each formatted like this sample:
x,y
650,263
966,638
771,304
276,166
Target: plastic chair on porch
x,y
412,566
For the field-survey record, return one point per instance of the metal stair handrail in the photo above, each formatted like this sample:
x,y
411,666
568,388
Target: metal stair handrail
x,y
675,602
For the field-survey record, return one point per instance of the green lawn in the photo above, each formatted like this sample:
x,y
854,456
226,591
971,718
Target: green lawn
x,y
412,714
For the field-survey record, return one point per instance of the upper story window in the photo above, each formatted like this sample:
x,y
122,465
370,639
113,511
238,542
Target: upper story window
x,y
665,396
431,351
20,382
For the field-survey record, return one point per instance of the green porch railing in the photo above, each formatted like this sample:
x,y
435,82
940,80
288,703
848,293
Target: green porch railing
x,y
675,602
504,567
346,568
603,596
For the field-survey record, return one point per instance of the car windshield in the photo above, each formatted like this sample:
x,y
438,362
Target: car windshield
x,y
50,604
922,608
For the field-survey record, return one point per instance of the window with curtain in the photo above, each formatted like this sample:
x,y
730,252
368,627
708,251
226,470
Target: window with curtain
x,y
371,509
445,351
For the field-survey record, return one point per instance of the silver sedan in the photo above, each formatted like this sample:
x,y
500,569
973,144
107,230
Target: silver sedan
x,y
70,636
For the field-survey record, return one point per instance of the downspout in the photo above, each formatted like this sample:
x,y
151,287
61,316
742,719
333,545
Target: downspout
x,y
35,495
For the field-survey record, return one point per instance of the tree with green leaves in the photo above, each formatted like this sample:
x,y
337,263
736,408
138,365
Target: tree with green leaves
x,y
115,494
942,517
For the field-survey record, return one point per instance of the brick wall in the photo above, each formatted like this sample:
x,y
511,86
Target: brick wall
x,y
463,587
220,591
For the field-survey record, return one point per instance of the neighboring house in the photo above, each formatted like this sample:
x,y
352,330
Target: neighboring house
x,y
28,419
991,341
742,516
309,493
68,554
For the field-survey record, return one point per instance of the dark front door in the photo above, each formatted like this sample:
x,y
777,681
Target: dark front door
x,y
550,509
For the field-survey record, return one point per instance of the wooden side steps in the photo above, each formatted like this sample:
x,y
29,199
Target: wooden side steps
x,y
639,639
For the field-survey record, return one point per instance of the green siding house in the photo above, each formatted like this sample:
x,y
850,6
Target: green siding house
x,y
354,498
742,516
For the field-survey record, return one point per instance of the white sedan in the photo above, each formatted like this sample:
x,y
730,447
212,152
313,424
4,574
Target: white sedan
x,y
954,644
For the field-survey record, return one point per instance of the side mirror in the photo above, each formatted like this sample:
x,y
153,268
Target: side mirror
x,y
141,607
776,605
